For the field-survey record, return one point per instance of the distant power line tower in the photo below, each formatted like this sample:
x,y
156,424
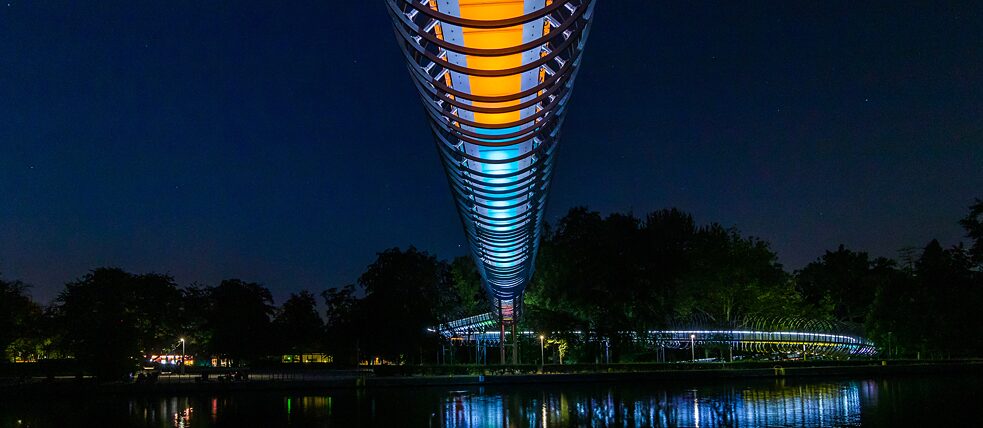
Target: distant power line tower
x,y
495,77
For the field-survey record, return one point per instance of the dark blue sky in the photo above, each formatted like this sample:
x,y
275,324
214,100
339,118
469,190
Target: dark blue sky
x,y
282,142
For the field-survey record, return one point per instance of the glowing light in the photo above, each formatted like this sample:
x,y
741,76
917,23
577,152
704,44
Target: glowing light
x,y
817,343
495,81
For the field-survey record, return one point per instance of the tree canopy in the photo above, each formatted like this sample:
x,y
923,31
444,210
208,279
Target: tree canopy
x,y
609,277
112,318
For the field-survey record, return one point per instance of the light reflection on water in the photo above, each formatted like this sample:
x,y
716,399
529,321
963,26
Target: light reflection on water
x,y
905,401
817,405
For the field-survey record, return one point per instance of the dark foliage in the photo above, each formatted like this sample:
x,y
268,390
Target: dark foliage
x,y
298,328
973,223
112,318
616,274
843,283
404,292
604,276
238,316
20,319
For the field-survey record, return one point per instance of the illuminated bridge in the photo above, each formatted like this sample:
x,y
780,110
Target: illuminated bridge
x,y
752,335
495,77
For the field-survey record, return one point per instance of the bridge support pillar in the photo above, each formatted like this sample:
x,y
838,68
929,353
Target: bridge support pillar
x,y
515,346
501,341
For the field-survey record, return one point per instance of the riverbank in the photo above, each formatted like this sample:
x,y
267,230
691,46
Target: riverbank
x,y
355,379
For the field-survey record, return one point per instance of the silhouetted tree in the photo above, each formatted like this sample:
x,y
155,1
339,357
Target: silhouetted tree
x,y
933,310
581,277
616,274
669,235
340,336
973,223
732,277
843,283
20,320
471,296
949,298
405,293
238,314
196,308
112,318
297,326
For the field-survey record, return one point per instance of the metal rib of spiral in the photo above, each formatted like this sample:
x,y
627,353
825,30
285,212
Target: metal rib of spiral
x,y
770,335
499,171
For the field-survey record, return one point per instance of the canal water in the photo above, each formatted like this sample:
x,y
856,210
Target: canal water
x,y
929,401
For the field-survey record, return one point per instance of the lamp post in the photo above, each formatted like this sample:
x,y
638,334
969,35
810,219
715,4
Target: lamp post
x,y
182,355
889,345
692,346
542,352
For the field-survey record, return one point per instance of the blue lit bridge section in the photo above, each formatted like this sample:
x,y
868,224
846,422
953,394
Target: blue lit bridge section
x,y
752,335
494,77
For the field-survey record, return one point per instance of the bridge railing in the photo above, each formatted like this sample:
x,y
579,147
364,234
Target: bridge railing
x,y
480,328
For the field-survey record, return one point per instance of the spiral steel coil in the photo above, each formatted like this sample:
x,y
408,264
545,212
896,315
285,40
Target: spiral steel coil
x,y
753,335
494,77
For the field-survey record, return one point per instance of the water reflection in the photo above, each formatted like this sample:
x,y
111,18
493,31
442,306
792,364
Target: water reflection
x,y
768,404
316,407
908,401
174,412
819,405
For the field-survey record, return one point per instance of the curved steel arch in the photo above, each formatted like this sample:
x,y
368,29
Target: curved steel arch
x,y
494,77
777,334
768,341
752,335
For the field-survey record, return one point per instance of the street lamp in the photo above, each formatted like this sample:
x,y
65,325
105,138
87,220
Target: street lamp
x,y
542,351
692,346
182,355
889,345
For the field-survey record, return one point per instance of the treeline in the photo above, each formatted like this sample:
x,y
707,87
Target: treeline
x,y
608,276
602,276
110,320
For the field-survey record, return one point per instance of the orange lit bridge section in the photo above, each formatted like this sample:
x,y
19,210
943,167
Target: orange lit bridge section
x,y
495,77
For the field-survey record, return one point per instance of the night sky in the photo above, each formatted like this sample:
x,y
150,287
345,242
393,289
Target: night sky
x,y
283,142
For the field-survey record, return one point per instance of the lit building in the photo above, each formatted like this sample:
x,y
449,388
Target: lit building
x,y
495,77
171,360
308,357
